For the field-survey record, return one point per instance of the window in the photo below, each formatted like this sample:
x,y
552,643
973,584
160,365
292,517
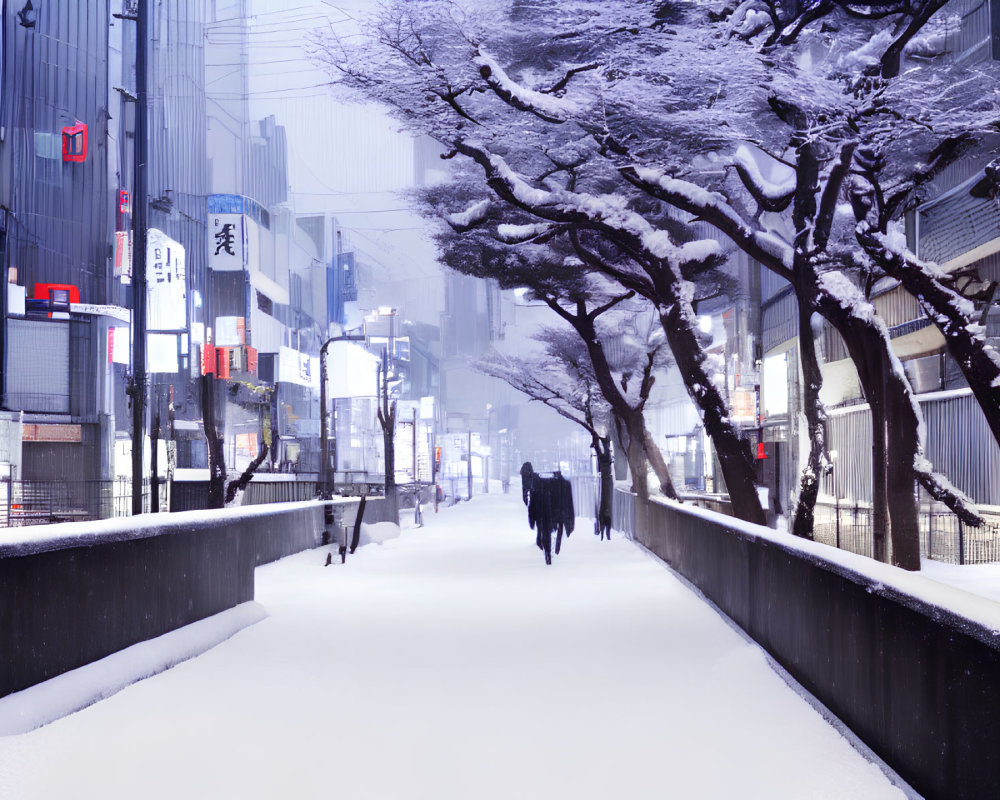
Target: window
x,y
265,304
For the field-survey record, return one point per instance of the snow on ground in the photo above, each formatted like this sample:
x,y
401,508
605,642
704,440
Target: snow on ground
x,y
982,580
450,662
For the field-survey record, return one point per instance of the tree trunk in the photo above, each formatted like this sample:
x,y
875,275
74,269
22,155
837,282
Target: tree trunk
x,y
816,464
387,419
216,455
891,405
602,447
638,464
391,493
243,481
657,462
901,435
733,452
619,459
880,501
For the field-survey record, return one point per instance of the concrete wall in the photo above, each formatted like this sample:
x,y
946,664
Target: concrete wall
x,y
75,593
919,684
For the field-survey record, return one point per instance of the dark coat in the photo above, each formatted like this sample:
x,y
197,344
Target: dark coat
x,y
527,472
550,508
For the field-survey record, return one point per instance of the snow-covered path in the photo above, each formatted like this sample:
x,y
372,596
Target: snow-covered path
x,y
452,663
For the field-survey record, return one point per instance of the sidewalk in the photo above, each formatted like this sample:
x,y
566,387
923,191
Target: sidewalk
x,y
452,663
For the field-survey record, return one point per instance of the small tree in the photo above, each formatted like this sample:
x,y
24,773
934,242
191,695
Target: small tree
x,y
387,421
220,493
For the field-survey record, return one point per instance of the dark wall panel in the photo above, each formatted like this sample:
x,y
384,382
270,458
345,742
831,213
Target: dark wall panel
x,y
65,606
917,683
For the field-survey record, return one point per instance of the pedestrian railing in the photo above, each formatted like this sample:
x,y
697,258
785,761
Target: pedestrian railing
x,y
943,536
31,502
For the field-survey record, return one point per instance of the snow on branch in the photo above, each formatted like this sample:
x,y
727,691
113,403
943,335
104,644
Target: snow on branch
x,y
518,234
944,491
608,213
716,210
544,106
468,219
770,195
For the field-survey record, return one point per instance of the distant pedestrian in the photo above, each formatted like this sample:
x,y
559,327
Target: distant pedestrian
x,y
527,473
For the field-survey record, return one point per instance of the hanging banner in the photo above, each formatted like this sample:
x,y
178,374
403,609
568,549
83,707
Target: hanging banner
x,y
123,255
226,243
166,283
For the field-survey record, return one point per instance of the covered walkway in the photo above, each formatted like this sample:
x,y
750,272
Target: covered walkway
x,y
451,662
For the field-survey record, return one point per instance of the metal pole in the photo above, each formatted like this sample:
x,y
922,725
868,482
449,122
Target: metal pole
x,y
324,467
469,465
139,256
324,436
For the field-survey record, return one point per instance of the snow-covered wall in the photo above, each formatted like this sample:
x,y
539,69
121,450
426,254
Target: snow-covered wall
x,y
73,593
911,666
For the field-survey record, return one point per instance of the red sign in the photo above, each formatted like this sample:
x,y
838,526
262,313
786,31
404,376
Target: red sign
x,y
222,356
207,359
53,291
51,433
251,360
124,201
75,142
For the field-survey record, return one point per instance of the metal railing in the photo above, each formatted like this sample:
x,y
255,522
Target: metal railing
x,y
30,502
943,537
847,525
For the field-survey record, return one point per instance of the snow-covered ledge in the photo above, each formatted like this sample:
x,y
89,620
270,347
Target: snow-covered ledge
x,y
910,665
968,611
73,593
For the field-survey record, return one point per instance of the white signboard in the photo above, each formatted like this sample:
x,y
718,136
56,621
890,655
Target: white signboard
x,y
227,332
774,385
161,353
166,283
119,346
351,371
298,368
427,407
226,243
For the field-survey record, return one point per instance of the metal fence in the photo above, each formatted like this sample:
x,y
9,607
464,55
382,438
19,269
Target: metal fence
x,y
29,502
943,537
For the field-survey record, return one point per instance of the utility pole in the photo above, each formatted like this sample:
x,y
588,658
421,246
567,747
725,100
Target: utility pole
x,y
139,254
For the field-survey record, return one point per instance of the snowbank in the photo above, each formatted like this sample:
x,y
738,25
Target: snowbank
x,y
62,695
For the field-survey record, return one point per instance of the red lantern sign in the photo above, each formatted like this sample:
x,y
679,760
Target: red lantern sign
x,y
75,142
760,451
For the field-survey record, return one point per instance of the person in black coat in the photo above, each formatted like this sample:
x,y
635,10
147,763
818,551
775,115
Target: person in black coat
x,y
541,514
562,506
527,472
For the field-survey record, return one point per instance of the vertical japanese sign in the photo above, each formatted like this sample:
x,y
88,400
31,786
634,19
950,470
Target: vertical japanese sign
x,y
123,255
166,281
226,245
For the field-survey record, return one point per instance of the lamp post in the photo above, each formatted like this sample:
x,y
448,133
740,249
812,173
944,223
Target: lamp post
x,y
324,443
